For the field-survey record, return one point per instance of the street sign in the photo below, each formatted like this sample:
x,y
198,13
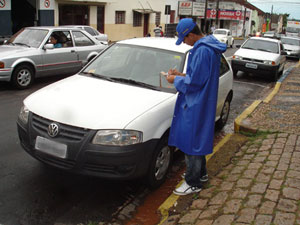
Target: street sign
x,y
2,3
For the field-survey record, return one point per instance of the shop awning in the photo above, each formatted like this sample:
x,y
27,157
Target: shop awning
x,y
144,11
90,1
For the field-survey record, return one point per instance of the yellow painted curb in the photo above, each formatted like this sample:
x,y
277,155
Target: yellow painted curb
x,y
273,93
245,114
170,201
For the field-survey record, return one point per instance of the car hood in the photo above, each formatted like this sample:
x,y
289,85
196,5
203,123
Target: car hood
x,y
291,47
256,54
93,103
7,50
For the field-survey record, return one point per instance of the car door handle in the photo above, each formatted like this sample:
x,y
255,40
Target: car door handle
x,y
72,51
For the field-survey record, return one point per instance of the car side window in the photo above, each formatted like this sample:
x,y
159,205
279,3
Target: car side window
x,y
81,40
61,39
281,47
223,66
90,31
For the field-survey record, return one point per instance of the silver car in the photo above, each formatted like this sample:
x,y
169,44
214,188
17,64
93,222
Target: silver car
x,y
30,54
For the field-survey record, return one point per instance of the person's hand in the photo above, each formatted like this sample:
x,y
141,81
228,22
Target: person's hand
x,y
170,78
175,72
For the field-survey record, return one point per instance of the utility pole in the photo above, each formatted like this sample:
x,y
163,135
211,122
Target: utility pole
x,y
217,15
244,31
271,17
205,15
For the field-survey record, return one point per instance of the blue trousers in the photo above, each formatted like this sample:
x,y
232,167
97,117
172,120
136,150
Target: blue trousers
x,y
195,169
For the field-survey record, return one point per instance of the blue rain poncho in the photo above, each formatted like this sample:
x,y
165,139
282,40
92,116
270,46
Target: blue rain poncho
x,y
192,129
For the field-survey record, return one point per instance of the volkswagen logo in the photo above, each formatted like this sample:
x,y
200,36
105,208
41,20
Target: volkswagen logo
x,y
53,130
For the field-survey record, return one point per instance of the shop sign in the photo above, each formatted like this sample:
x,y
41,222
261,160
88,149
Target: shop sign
x,y
185,8
198,9
226,14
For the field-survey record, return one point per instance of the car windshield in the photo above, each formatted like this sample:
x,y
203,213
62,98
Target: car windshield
x,y
220,32
144,65
290,41
28,37
261,45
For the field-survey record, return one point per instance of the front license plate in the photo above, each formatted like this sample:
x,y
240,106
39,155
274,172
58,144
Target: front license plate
x,y
51,147
251,65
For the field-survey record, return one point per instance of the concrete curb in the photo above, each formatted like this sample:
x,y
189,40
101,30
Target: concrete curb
x,y
238,122
171,200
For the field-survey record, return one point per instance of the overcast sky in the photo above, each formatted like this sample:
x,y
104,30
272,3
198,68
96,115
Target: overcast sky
x,y
291,7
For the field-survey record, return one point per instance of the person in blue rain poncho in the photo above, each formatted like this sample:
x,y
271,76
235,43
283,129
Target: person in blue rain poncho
x,y
192,129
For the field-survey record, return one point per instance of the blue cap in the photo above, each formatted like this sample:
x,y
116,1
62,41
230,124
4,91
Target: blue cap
x,y
183,28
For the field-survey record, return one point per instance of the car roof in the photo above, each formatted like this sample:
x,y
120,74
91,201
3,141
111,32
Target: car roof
x,y
265,39
159,43
290,37
52,28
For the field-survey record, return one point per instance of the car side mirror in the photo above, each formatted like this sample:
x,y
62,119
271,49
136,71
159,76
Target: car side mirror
x,y
49,46
238,46
283,53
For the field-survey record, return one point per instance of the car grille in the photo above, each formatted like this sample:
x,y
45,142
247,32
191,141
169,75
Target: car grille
x,y
253,60
62,163
68,132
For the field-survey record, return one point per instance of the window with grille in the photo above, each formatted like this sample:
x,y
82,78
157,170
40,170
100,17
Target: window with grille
x,y
137,19
157,18
120,17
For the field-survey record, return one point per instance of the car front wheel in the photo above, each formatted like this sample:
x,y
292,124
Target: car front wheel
x,y
160,164
22,76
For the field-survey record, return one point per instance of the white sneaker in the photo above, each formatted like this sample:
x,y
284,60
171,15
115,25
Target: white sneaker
x,y
186,189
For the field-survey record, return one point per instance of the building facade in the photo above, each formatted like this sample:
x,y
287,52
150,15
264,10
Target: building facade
x,y
121,19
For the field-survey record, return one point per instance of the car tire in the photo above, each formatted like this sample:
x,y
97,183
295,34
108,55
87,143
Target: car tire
x,y
234,73
160,164
23,76
275,76
224,114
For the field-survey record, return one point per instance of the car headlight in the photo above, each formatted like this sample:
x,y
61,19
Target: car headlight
x,y
117,137
269,62
24,114
237,57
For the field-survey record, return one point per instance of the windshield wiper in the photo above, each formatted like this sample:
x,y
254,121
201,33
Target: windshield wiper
x,y
264,50
248,48
18,43
134,82
99,76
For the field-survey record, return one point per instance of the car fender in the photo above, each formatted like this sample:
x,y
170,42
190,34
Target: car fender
x,y
24,60
156,121
91,55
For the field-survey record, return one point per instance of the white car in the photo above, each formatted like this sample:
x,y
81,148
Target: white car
x,y
112,119
224,35
291,46
96,34
261,56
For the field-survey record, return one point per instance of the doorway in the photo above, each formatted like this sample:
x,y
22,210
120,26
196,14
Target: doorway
x,y
146,24
73,15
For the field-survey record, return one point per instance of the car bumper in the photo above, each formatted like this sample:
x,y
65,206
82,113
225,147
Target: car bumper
x,y
293,54
251,67
5,74
113,162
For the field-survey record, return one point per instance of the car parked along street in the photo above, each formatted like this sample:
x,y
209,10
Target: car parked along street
x,y
225,36
291,46
112,119
29,54
262,56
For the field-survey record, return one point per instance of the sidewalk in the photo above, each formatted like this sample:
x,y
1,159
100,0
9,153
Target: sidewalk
x,y
261,184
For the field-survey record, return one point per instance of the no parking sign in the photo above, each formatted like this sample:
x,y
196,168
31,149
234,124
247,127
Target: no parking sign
x,y
46,4
2,3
